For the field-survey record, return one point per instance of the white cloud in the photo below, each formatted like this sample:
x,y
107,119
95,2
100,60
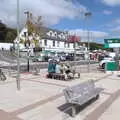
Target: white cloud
x,y
51,10
117,21
107,12
111,2
94,35
112,24
116,29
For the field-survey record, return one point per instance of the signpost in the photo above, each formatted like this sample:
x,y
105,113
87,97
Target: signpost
x,y
112,43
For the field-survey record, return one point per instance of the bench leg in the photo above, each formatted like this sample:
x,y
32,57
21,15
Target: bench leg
x,y
73,111
97,96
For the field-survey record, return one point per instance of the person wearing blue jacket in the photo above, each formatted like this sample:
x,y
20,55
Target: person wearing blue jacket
x,y
51,66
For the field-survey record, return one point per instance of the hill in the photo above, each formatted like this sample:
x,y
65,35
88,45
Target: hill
x,y
7,35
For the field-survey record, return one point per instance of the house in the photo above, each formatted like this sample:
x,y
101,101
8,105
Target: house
x,y
54,41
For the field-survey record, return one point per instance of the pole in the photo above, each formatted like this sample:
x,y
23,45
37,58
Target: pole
x,y
18,49
27,44
117,58
75,55
28,68
88,52
88,14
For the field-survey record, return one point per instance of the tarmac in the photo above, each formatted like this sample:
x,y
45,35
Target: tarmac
x,y
43,99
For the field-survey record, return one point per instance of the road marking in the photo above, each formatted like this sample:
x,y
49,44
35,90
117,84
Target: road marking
x,y
48,83
37,104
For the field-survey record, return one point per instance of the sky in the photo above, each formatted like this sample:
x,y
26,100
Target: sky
x,y
104,21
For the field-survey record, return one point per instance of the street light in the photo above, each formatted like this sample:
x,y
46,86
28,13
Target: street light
x,y
18,49
27,42
87,15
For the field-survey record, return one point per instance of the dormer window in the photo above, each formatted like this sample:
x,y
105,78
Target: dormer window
x,y
25,34
55,34
61,36
50,33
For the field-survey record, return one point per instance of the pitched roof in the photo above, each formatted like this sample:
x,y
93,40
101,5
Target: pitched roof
x,y
45,30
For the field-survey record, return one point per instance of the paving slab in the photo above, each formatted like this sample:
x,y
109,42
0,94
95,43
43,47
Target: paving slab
x,y
40,98
113,112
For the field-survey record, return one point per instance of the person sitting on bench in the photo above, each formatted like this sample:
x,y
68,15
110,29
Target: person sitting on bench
x,y
66,70
51,67
57,67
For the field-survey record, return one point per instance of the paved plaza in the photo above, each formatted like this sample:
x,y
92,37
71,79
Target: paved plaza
x,y
42,99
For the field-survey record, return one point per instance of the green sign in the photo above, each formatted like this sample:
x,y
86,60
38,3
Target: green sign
x,y
112,43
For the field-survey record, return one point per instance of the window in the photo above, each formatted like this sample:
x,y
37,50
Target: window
x,y
45,42
61,36
65,44
50,33
73,45
25,34
58,43
68,45
53,43
55,34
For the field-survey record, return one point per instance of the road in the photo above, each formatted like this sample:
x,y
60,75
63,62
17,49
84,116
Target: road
x,y
41,65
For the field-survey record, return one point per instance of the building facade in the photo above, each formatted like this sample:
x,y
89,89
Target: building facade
x,y
53,41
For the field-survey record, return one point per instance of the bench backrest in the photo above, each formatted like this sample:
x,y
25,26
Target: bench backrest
x,y
79,89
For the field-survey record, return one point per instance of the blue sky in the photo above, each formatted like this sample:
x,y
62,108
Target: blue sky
x,y
102,15
105,18
69,15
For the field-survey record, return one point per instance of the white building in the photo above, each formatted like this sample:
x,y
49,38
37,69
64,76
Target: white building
x,y
54,41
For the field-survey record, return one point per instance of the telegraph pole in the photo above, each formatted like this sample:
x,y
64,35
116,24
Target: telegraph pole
x,y
18,49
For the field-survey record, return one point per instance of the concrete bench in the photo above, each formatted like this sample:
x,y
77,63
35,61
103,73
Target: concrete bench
x,y
81,94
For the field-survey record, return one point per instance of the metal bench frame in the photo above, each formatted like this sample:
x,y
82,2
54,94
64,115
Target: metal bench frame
x,y
81,94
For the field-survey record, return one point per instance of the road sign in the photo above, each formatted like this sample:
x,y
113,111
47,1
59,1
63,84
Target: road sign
x,y
112,43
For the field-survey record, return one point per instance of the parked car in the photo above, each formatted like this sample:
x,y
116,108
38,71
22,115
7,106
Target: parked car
x,y
62,58
54,58
37,59
103,62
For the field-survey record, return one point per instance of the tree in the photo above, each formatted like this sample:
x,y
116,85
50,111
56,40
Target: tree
x,y
3,32
7,34
11,35
95,46
33,29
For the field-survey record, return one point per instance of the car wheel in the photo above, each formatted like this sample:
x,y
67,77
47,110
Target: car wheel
x,y
103,65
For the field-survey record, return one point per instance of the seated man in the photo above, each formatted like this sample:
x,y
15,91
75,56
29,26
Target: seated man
x,y
67,71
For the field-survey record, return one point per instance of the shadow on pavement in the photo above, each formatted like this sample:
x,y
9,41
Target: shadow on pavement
x,y
66,108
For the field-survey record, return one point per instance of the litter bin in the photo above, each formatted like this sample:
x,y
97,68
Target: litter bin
x,y
111,66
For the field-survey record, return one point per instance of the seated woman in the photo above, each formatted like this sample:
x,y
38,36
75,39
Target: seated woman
x,y
51,67
58,67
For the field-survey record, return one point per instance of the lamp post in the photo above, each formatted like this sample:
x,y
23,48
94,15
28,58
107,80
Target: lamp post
x,y
87,15
18,49
27,44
